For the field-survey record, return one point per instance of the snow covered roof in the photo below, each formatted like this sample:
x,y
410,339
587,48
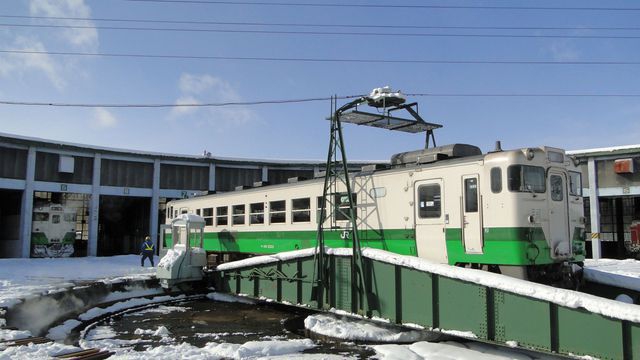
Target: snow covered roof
x,y
614,150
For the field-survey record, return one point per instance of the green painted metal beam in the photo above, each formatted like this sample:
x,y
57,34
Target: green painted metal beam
x,y
405,295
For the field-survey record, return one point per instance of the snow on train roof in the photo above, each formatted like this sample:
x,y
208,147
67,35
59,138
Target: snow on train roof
x,y
562,297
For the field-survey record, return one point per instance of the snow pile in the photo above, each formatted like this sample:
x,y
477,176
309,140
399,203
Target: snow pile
x,y
162,331
14,334
162,309
101,333
24,278
63,330
37,351
250,350
448,351
348,329
172,256
621,273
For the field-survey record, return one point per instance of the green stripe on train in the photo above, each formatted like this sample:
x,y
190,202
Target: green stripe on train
x,y
507,246
39,238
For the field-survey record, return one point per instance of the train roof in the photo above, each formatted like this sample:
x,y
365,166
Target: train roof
x,y
434,157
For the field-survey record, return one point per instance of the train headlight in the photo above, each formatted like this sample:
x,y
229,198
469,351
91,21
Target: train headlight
x,y
529,153
531,219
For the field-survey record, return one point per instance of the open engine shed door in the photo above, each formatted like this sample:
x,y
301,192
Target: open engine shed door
x,y
430,220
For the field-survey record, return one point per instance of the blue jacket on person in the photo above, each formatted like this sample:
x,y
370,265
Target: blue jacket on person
x,y
147,246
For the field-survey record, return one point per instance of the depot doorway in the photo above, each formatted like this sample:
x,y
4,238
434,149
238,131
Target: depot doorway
x,y
10,205
122,225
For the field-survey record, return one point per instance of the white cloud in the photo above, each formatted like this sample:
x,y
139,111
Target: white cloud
x,y
103,118
22,64
57,70
85,38
205,88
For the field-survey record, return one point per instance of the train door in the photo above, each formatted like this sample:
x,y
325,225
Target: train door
x,y
430,220
471,215
558,213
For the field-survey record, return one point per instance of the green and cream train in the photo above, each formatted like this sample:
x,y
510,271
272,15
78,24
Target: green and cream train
x,y
517,212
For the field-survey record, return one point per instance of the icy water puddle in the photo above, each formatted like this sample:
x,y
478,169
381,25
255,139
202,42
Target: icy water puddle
x,y
200,321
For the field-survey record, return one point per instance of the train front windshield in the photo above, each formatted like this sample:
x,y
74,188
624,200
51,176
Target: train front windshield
x,y
526,178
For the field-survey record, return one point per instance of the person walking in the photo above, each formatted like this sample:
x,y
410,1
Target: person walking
x,y
147,251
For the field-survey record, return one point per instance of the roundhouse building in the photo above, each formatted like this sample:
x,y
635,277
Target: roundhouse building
x,y
611,191
96,201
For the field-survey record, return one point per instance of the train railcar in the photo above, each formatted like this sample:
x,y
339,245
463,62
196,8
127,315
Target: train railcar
x,y
53,231
517,212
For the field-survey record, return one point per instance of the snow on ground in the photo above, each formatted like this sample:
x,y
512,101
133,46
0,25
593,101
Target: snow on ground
x,y
622,273
162,309
23,278
357,330
449,350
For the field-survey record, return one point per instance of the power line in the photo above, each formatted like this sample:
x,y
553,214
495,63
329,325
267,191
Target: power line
x,y
315,99
192,105
394,6
386,26
318,60
341,33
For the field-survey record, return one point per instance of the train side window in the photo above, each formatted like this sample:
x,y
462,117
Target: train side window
x,y
301,210
237,212
471,195
496,180
526,178
341,205
575,183
429,201
557,194
277,212
222,213
207,214
256,213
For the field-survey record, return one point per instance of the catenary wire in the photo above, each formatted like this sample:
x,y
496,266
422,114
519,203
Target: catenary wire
x,y
315,99
387,6
322,60
341,33
386,26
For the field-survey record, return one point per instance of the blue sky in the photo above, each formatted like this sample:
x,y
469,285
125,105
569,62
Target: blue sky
x,y
299,131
